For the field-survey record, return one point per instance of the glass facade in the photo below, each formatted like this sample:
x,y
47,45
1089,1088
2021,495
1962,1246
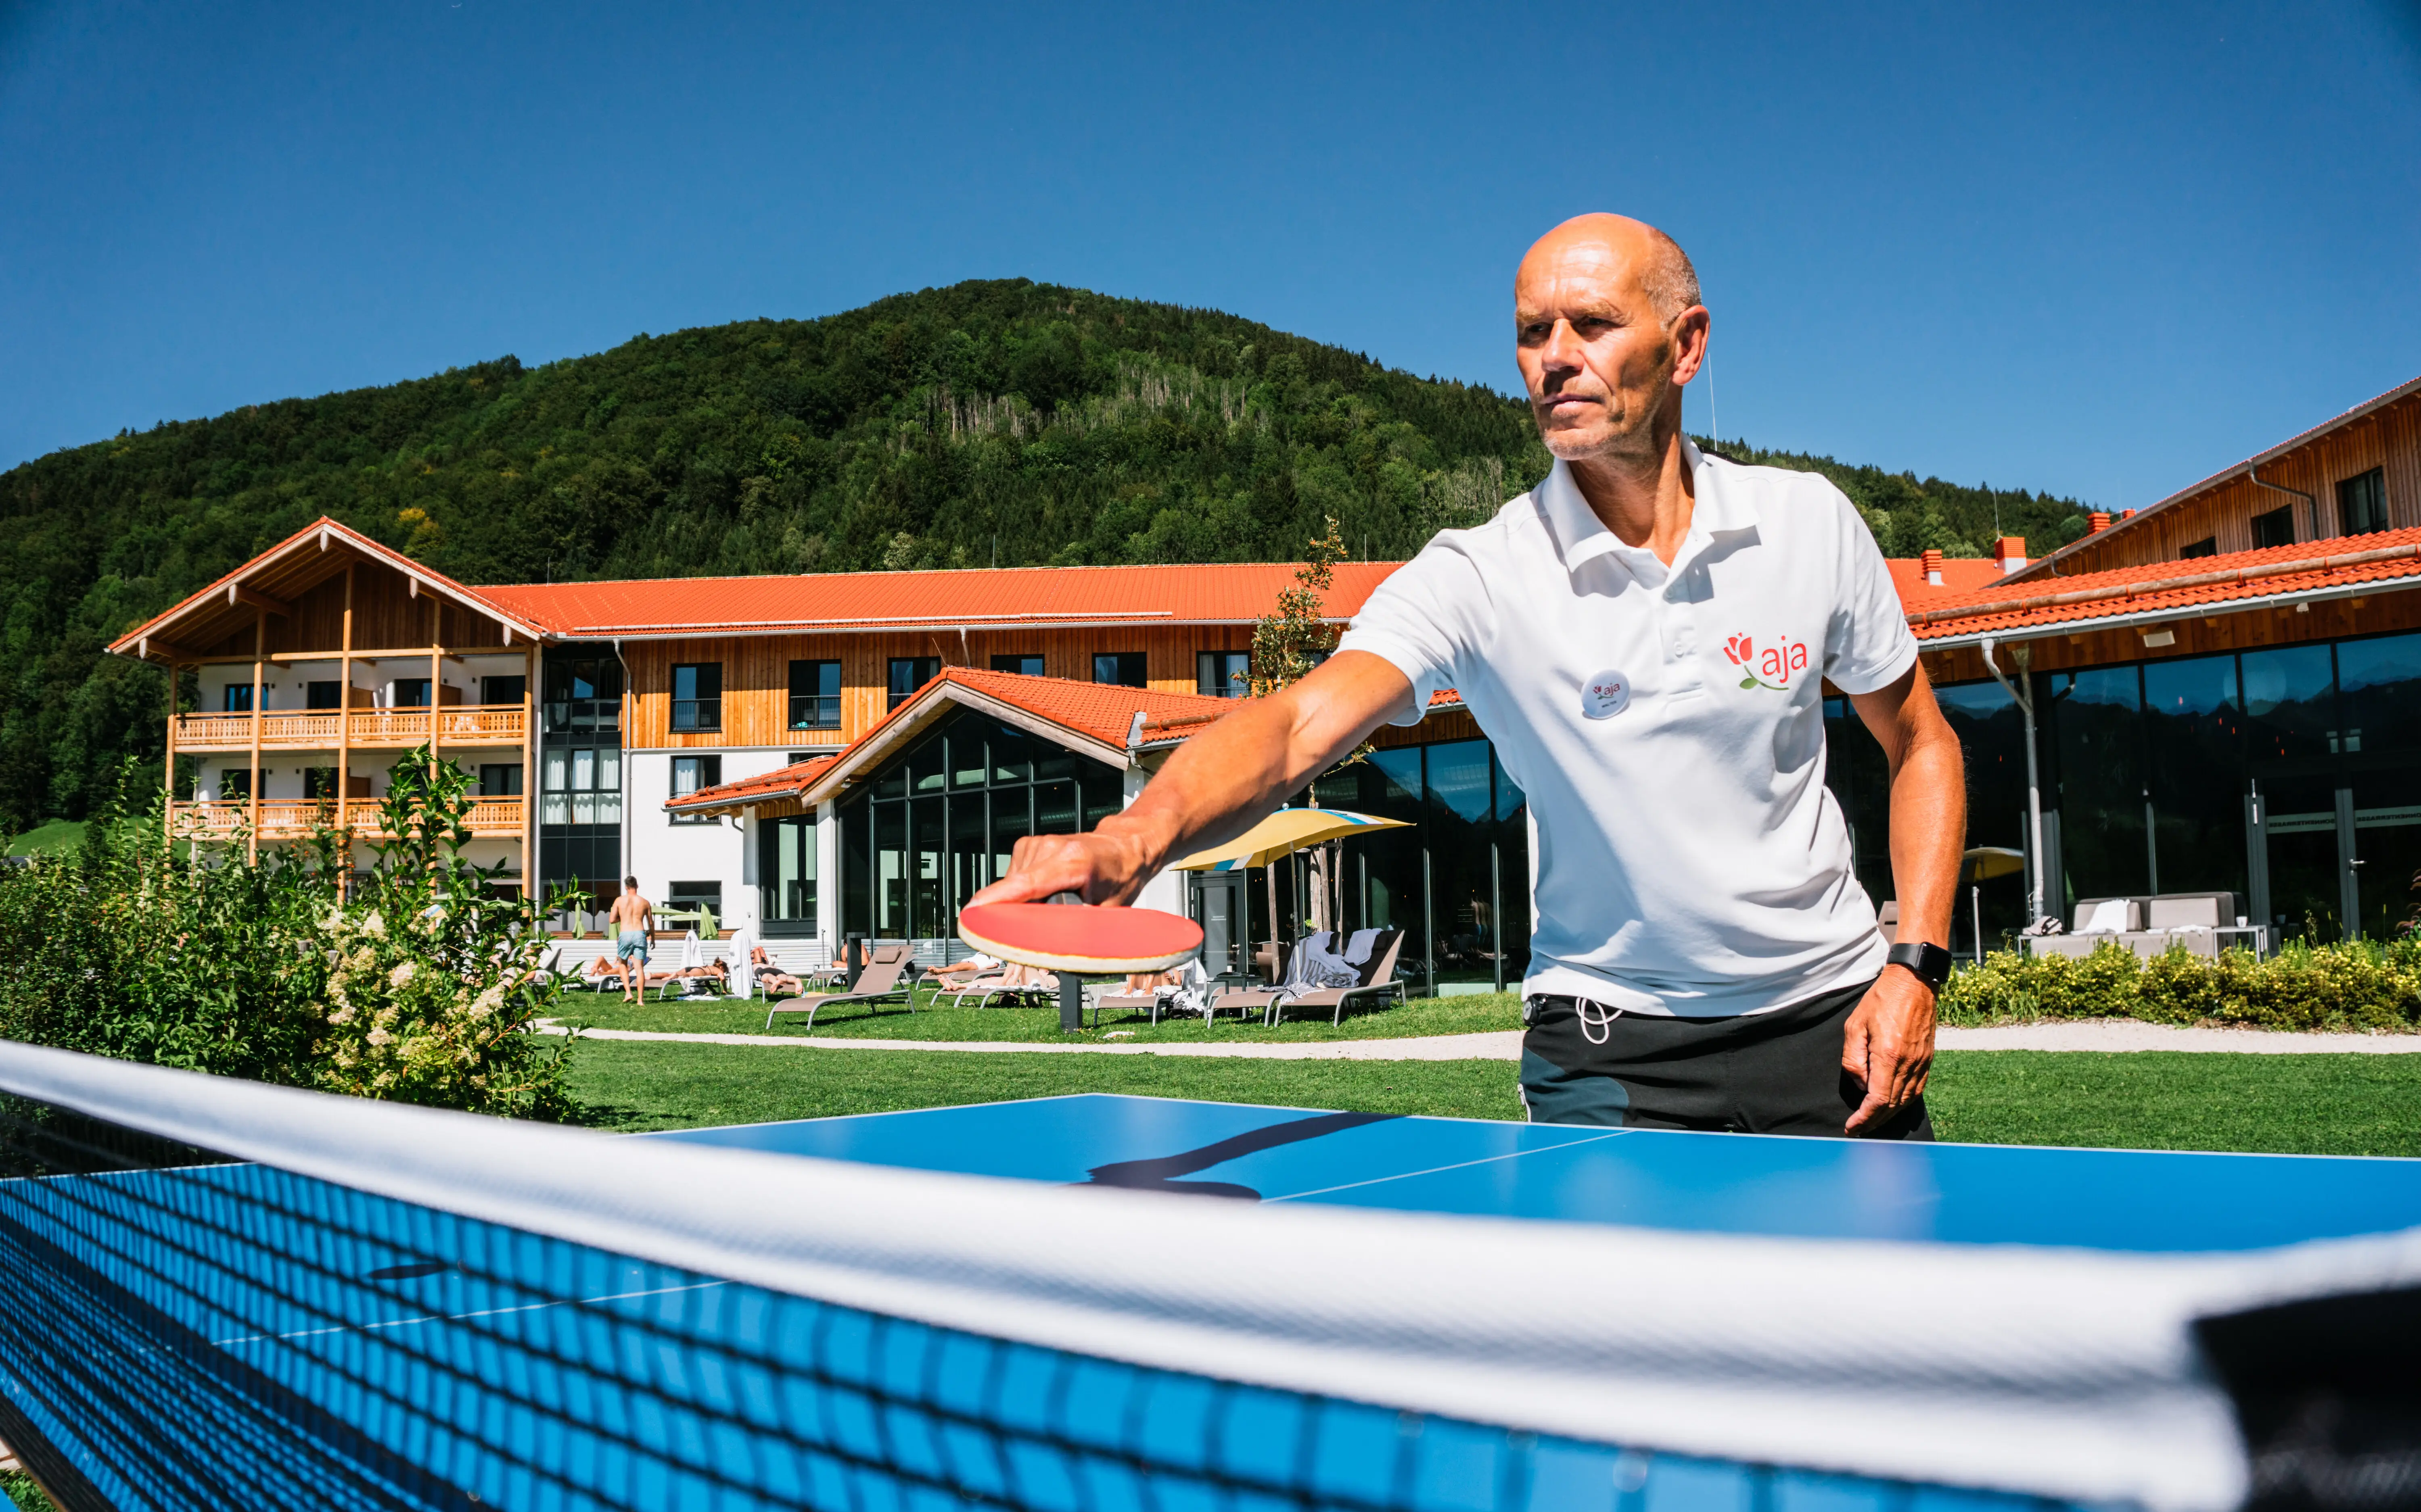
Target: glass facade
x,y
2291,776
941,820
580,774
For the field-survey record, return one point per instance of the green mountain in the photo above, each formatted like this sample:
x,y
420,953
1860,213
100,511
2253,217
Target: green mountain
x,y
1909,516
992,422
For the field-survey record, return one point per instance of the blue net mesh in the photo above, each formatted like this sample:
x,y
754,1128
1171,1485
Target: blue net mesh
x,y
180,1330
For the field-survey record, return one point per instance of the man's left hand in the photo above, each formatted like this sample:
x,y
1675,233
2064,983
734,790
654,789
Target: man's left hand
x,y
1888,1045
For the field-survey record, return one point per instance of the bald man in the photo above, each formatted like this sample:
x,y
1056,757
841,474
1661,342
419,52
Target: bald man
x,y
1644,636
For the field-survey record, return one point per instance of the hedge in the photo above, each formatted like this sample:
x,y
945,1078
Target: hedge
x,y
2358,986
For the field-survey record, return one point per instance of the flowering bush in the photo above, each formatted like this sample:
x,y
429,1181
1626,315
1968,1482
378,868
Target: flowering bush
x,y
2363,985
420,986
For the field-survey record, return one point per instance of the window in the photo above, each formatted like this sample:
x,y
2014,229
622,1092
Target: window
x,y
785,866
689,897
235,784
2362,503
1024,666
1122,669
815,695
503,690
411,693
499,779
239,698
321,694
583,695
1223,673
581,786
692,774
697,697
2275,528
910,673
320,782
2207,546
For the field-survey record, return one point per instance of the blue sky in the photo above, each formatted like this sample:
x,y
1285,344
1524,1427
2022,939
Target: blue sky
x,y
2097,250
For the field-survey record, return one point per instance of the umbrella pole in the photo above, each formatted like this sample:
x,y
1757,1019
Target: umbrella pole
x,y
1271,871
1976,898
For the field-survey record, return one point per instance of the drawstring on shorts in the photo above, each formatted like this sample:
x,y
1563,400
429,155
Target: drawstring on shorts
x,y
1597,1019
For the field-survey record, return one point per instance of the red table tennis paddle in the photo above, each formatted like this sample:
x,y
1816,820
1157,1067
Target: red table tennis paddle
x,y
1081,940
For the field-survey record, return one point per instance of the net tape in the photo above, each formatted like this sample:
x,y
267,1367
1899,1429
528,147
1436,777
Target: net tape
x,y
455,1308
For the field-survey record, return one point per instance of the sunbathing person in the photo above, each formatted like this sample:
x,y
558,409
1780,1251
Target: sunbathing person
x,y
772,977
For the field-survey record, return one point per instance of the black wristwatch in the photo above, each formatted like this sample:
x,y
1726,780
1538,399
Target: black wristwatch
x,y
1929,963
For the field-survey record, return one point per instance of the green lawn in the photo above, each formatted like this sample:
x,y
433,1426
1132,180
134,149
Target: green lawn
x,y
2320,1105
1471,1014
58,834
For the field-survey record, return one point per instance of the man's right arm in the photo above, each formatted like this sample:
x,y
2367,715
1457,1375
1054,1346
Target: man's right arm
x,y
1218,785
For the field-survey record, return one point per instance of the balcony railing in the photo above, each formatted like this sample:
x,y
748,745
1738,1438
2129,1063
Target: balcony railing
x,y
317,730
289,819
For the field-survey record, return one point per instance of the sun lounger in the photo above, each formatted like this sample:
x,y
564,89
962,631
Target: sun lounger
x,y
1377,985
878,982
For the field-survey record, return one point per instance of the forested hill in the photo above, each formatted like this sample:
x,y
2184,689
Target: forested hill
x,y
1907,517
1006,422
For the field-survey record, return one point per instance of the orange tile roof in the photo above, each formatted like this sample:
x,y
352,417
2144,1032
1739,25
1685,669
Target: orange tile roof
x,y
2156,588
977,597
1960,575
783,782
1102,711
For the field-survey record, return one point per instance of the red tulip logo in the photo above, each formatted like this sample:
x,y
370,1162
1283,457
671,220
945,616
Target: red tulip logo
x,y
1740,650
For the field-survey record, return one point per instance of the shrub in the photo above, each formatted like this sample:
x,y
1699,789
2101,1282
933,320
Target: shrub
x,y
2361,986
419,987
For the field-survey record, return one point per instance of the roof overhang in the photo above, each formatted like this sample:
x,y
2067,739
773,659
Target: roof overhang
x,y
2044,565
936,701
268,583
2169,614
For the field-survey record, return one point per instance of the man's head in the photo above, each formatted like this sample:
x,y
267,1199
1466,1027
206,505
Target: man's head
x,y
629,884
1607,328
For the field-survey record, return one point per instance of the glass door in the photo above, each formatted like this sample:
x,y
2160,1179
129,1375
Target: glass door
x,y
2386,825
2297,818
1216,901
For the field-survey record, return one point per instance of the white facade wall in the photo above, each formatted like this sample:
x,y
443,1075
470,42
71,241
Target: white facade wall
x,y
662,850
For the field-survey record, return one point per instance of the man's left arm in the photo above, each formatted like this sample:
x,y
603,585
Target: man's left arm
x,y
1888,1043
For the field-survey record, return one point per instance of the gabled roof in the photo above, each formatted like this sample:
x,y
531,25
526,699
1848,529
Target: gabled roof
x,y
2158,590
2041,566
974,598
782,783
1103,721
299,562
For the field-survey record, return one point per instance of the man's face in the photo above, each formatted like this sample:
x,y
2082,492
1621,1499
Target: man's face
x,y
1597,360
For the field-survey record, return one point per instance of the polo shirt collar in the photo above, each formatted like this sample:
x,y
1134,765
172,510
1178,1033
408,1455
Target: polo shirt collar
x,y
1582,538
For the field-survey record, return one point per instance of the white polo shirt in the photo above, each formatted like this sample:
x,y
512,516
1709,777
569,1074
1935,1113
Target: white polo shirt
x,y
1668,728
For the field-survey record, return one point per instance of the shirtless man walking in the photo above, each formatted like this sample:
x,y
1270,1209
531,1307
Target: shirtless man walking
x,y
630,913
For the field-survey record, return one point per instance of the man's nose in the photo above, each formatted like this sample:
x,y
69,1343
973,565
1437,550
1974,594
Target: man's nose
x,y
1562,351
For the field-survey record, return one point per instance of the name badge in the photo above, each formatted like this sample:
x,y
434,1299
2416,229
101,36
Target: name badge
x,y
1606,695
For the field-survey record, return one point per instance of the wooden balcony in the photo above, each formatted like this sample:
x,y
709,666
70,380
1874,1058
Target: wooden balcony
x,y
474,725
289,819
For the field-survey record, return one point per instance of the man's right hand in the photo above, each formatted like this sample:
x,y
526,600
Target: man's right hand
x,y
1109,865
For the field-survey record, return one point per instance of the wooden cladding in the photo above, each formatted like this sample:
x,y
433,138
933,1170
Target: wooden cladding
x,y
2388,439
756,703
490,724
284,818
386,614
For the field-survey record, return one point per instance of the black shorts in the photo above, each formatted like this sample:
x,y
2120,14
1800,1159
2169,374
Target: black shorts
x,y
1763,1074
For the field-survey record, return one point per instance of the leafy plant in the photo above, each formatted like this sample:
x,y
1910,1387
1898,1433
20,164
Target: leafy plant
x,y
2346,987
419,987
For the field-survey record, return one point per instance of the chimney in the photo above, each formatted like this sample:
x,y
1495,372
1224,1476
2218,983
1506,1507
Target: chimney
x,y
1933,567
2126,514
2012,552
2100,522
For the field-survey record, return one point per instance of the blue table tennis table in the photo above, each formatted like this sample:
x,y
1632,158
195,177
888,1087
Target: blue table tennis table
x,y
246,1336
2128,1200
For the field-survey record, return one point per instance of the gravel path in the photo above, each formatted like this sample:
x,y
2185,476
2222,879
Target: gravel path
x,y
1506,1044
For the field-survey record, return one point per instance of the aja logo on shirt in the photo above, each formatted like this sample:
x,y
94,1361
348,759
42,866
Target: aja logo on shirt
x,y
1772,667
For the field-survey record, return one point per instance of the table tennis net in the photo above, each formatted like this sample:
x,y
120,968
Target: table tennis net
x,y
182,1328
